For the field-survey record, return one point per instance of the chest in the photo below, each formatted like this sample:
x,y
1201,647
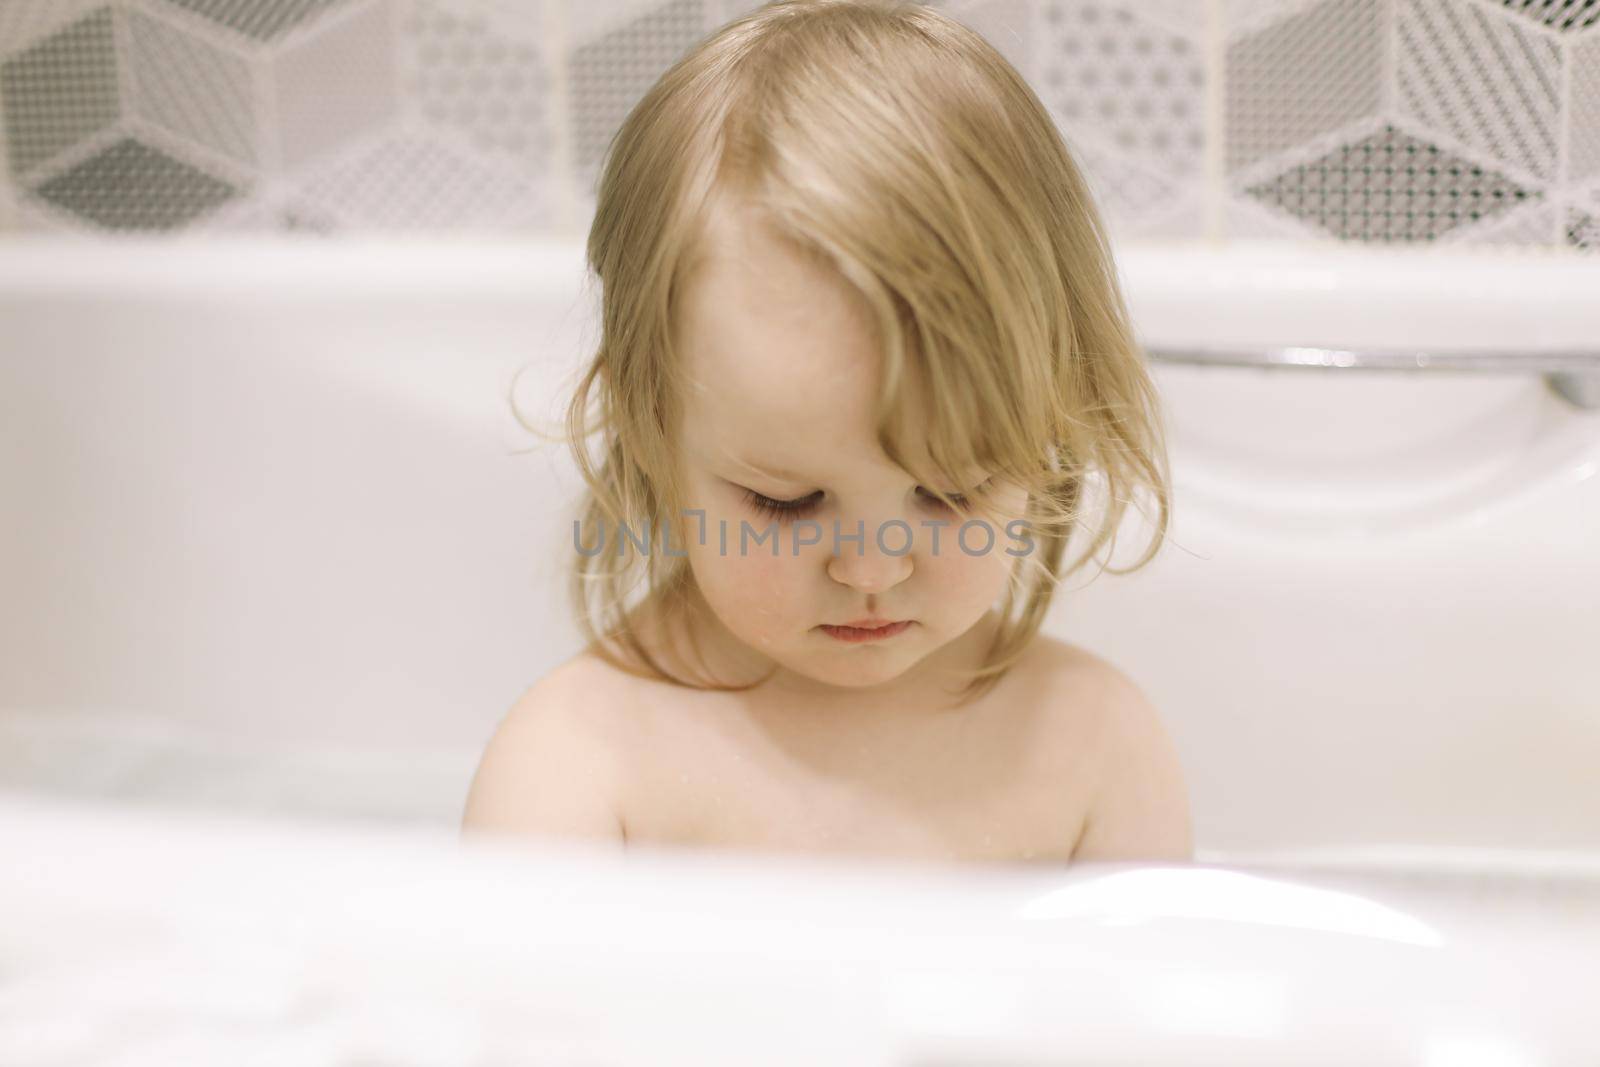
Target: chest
x,y
986,783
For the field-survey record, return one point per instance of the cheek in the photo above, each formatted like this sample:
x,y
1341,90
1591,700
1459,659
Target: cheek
x,y
964,579
754,591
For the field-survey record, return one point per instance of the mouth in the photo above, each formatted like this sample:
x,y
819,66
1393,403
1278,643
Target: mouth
x,y
873,630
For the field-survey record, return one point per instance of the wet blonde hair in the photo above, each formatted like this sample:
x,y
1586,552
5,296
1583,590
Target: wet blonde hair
x,y
894,144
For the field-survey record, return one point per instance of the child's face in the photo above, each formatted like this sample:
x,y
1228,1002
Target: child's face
x,y
783,364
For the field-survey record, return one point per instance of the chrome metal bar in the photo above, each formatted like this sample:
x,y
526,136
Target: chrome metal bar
x,y
1574,375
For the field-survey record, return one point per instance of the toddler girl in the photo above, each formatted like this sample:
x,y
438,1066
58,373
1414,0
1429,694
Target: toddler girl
x,y
862,353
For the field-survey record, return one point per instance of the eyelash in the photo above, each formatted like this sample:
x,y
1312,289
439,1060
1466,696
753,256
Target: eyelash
x,y
784,510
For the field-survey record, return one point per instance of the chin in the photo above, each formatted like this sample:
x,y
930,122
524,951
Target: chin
x,y
863,672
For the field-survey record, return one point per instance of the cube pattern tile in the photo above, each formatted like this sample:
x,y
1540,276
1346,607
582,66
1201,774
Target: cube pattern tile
x,y
192,88
1378,121
336,84
410,182
1306,75
1486,81
59,91
1564,15
1388,187
131,186
1132,84
260,20
609,75
1583,122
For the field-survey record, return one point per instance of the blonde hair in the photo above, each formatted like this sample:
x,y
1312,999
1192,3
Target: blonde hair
x,y
894,144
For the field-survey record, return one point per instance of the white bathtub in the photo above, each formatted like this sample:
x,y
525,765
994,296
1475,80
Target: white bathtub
x,y
269,551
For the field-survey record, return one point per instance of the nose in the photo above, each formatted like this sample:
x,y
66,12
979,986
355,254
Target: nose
x,y
870,569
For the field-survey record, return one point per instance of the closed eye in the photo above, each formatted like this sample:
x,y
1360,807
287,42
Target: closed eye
x,y
782,510
785,510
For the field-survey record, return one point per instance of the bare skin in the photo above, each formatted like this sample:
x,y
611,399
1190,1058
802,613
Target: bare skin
x,y
846,748
904,774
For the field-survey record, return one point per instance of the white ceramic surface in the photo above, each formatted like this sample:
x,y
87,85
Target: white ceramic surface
x,y
137,937
271,495
272,567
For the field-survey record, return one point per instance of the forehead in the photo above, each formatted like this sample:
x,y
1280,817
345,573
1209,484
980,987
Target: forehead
x,y
779,351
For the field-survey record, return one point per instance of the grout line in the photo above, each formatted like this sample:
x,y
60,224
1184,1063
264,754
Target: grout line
x,y
1216,112
1563,144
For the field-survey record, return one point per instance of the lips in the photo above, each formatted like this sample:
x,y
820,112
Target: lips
x,y
882,630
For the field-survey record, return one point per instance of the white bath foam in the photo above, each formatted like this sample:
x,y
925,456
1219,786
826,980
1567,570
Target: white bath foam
x,y
139,758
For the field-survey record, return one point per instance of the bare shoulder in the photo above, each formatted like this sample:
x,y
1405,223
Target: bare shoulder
x,y
1140,805
553,765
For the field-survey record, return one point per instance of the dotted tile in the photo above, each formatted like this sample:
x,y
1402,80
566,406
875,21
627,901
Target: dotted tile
x,y
1302,77
1139,87
1482,78
610,74
131,186
1533,224
1559,14
191,88
1390,187
59,91
261,20
489,86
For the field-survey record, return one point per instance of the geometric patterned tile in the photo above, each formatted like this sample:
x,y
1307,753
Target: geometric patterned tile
x,y
192,88
1583,119
1008,25
1485,79
1390,187
609,74
480,81
262,20
1241,17
414,182
22,22
1138,87
1184,15
131,186
1559,14
59,91
1583,230
336,84
1126,192
1532,224
1302,77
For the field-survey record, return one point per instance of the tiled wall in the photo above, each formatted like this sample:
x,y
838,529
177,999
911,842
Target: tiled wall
x,y
1356,120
